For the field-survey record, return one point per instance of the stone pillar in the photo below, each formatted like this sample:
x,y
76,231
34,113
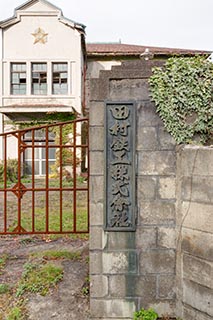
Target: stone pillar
x,y
130,270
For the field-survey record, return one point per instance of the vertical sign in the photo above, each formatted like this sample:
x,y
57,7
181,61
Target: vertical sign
x,y
120,166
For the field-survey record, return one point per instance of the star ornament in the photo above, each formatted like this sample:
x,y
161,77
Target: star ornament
x,y
40,36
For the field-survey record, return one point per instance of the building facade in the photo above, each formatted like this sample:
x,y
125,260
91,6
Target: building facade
x,y
42,64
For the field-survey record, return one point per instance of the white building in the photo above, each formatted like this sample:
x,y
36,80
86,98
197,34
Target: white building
x,y
42,64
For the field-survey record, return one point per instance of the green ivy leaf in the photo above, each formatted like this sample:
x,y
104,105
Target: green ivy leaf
x,y
183,93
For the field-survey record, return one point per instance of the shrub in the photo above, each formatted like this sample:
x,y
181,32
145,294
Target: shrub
x,y
143,314
183,93
12,170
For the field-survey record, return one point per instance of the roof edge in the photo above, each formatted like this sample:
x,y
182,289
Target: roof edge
x,y
16,18
118,50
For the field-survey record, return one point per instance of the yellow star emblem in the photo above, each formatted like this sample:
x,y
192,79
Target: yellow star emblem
x,y
40,36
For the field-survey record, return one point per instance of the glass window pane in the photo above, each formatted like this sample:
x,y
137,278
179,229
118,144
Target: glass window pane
x,y
13,67
35,75
28,153
52,153
28,167
15,78
64,75
35,86
22,89
56,88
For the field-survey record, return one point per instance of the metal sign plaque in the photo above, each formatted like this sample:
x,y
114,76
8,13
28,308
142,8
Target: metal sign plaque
x,y
120,166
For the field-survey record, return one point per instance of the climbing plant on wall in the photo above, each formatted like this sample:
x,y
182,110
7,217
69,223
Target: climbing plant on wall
x,y
183,93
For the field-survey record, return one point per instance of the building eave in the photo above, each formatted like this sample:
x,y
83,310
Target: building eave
x,y
35,108
58,12
72,24
118,50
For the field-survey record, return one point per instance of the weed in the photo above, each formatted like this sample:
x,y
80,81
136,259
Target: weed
x,y
4,288
26,241
85,291
15,314
143,314
58,255
38,278
3,260
86,285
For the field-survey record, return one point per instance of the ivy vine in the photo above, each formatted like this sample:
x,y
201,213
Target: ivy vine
x,y
183,93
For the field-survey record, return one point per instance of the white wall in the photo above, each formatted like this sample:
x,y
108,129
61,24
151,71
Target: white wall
x,y
63,45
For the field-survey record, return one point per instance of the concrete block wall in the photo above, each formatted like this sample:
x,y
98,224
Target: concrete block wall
x,y
167,263
195,228
130,270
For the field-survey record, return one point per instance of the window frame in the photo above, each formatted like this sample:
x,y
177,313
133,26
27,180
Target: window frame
x,y
58,79
19,83
42,78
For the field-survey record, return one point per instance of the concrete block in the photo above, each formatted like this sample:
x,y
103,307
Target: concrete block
x,y
94,89
197,243
197,160
198,270
127,89
166,141
146,238
96,214
96,113
98,286
96,238
167,188
120,262
96,142
142,67
96,189
121,240
117,286
198,189
166,287
166,237
157,212
198,216
96,163
114,308
142,286
192,314
95,262
198,297
147,139
147,115
157,163
164,308
157,261
146,188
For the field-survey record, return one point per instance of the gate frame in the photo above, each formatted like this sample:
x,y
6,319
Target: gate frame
x,y
20,189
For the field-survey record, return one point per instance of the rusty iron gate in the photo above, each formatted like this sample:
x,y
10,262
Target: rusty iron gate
x,y
44,179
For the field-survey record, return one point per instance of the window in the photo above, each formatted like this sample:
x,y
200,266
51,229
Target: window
x,y
39,78
59,76
39,155
18,78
